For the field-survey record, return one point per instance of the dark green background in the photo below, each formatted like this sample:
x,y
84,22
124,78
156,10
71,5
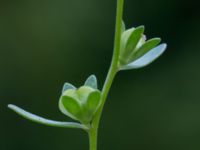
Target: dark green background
x,y
46,43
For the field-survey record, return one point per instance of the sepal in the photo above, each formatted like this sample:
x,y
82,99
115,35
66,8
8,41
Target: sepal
x,y
91,82
145,60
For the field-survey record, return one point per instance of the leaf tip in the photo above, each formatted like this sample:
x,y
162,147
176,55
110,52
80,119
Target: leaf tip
x,y
156,40
91,81
93,76
11,106
67,86
163,46
141,28
14,108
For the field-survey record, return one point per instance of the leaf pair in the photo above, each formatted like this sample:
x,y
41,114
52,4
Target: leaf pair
x,y
81,104
135,51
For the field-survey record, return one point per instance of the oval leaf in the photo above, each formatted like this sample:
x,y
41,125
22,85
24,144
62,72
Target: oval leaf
x,y
67,86
148,58
44,121
70,107
93,101
91,82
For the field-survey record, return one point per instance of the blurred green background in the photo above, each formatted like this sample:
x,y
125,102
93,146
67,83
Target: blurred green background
x,y
46,43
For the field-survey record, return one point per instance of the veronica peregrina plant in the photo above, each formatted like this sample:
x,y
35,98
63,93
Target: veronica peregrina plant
x,y
85,104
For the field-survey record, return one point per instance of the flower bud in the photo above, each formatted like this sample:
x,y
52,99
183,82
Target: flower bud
x,y
135,51
131,40
80,104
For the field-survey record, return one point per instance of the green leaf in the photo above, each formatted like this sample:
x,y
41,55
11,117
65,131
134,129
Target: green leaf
x,y
134,38
148,58
44,121
67,86
124,38
93,102
90,107
64,111
91,82
131,43
147,46
71,106
123,26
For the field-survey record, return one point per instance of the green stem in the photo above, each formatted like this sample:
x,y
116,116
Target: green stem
x,y
93,133
93,138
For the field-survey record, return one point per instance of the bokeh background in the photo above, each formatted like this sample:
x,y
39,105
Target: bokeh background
x,y
46,43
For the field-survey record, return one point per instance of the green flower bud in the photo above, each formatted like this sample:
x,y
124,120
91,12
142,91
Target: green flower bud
x,y
80,104
131,40
135,51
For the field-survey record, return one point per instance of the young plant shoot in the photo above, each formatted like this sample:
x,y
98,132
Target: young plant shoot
x,y
85,104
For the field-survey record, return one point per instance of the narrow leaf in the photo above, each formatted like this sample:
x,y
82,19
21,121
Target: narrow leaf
x,y
67,86
132,42
148,58
44,121
64,111
147,46
91,82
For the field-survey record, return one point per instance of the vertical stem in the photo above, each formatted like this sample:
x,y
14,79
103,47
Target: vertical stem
x,y
114,64
93,138
93,133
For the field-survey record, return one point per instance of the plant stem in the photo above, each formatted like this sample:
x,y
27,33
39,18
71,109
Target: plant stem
x,y
93,133
93,138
